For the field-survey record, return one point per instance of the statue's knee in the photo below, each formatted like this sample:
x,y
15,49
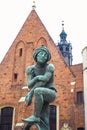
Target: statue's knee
x,y
36,91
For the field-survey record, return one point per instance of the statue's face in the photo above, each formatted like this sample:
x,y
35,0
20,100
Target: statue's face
x,y
42,57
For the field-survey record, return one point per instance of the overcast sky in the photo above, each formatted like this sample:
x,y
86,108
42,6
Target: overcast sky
x,y
13,14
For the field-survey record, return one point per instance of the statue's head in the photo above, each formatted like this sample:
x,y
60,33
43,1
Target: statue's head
x,y
39,49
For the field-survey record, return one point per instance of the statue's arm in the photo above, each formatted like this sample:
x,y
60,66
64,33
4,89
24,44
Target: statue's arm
x,y
31,80
48,74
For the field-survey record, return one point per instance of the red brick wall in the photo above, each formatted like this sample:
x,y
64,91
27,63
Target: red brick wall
x,y
78,108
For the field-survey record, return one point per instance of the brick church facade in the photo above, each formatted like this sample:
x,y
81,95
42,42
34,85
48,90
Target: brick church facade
x,y
69,104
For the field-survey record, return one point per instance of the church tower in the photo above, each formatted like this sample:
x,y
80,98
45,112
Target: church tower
x,y
65,47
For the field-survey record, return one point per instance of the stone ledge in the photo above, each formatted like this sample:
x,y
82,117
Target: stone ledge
x,y
25,87
19,124
22,99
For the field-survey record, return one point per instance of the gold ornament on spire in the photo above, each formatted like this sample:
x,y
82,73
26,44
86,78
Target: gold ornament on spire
x,y
34,6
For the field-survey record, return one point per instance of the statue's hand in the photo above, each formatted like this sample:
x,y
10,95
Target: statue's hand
x,y
40,78
28,99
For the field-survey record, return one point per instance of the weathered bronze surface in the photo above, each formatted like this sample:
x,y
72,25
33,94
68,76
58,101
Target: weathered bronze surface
x,y
40,80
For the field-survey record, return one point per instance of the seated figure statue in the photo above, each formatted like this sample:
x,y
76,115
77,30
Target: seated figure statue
x,y
40,79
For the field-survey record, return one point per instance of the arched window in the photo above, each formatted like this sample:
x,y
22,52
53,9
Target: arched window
x,y
20,52
15,76
52,117
6,116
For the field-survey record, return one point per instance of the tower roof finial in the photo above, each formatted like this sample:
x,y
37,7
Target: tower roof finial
x,y
34,6
62,25
63,35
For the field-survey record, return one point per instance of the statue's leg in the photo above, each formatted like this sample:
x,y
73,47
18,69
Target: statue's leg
x,y
45,113
48,96
44,124
41,95
38,103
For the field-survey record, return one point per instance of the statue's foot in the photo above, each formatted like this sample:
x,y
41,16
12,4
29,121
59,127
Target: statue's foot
x,y
32,119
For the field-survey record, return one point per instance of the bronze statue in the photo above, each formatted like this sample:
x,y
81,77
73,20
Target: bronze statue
x,y
40,79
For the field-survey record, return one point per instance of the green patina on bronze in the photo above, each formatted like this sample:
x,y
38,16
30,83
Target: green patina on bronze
x,y
40,80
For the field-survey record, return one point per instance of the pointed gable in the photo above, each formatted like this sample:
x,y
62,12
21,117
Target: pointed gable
x,y
33,28
32,34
